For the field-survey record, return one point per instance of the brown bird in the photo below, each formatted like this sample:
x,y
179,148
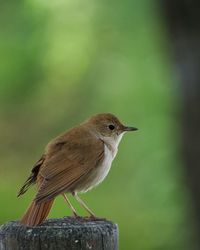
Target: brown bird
x,y
73,162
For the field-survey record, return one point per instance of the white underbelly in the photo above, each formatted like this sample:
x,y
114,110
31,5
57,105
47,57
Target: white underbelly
x,y
104,168
101,171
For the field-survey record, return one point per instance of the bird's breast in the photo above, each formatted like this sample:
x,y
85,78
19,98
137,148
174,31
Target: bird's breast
x,y
104,167
101,171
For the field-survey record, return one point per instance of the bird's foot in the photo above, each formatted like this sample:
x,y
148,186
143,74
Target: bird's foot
x,y
93,218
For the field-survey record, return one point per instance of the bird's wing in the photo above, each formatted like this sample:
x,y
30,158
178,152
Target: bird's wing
x,y
68,159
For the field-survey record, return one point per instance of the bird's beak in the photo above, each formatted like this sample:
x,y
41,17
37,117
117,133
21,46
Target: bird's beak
x,y
127,128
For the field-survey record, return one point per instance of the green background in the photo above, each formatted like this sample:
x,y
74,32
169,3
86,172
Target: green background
x,y
62,61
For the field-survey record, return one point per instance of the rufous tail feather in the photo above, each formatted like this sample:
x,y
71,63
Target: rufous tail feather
x,y
36,213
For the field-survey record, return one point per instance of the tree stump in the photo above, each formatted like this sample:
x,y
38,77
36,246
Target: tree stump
x,y
56,234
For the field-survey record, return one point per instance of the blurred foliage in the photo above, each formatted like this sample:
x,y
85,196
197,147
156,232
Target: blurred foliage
x,y
62,61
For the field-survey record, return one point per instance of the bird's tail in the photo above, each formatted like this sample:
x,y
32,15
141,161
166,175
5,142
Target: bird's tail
x,y
36,213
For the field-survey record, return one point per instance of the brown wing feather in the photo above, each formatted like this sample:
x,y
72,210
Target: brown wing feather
x,y
68,158
33,176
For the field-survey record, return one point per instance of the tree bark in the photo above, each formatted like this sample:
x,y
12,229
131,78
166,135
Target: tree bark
x,y
56,234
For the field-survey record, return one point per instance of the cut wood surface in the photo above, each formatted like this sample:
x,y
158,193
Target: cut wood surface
x,y
66,233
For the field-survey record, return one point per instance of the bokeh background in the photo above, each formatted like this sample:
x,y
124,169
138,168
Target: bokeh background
x,y
62,61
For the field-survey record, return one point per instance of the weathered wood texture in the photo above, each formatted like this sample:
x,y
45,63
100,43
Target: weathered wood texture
x,y
56,234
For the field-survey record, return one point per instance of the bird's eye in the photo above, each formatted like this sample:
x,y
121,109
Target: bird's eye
x,y
111,127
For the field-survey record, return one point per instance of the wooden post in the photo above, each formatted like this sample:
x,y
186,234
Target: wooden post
x,y
56,234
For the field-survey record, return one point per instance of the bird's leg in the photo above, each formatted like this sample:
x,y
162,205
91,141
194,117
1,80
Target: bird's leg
x,y
81,202
70,205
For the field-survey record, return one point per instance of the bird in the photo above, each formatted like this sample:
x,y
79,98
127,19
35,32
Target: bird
x,y
72,163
